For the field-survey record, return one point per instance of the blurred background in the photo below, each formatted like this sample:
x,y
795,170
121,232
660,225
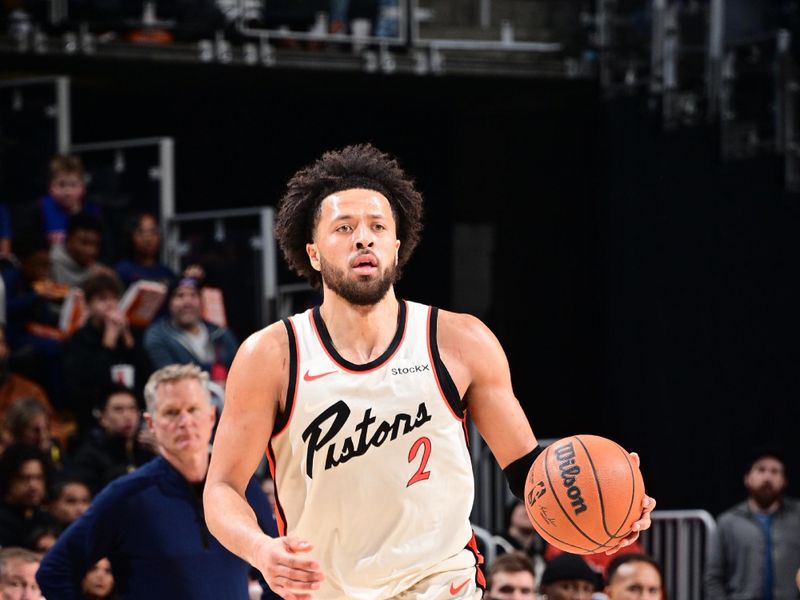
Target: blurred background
x,y
611,185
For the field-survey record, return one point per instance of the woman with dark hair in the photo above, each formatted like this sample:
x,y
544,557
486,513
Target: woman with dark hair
x,y
144,243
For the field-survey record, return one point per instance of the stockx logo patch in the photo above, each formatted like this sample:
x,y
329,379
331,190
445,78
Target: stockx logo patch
x,y
410,370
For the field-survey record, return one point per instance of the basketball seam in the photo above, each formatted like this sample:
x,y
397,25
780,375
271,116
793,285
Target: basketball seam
x,y
552,491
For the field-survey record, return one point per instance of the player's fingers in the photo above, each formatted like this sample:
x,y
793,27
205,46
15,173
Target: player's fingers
x,y
293,581
299,575
626,541
294,544
636,459
307,565
648,504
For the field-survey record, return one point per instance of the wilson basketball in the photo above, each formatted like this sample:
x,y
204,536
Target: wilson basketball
x,y
583,494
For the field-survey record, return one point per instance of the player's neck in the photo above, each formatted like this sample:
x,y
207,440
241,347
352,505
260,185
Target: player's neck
x,y
360,333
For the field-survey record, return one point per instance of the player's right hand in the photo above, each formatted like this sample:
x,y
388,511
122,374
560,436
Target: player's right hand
x,y
286,570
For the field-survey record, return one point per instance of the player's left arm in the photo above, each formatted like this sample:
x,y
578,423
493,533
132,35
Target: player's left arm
x,y
479,367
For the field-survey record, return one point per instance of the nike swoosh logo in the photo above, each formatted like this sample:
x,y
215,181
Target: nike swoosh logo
x,y
309,377
455,589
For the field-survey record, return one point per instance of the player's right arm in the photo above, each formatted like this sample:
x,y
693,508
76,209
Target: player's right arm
x,y
253,398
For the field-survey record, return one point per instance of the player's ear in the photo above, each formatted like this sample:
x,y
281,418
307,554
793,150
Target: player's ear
x,y
313,256
396,252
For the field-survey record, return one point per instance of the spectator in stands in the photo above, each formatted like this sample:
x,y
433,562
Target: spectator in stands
x,y
42,538
65,198
13,386
755,551
511,577
634,576
101,352
143,261
24,473
70,498
568,577
598,560
98,583
184,337
150,523
72,262
17,574
117,445
28,422
33,303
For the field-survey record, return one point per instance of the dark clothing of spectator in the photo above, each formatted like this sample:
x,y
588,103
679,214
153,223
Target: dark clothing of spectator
x,y
130,272
735,568
54,217
15,527
166,344
32,334
88,366
151,527
24,306
102,458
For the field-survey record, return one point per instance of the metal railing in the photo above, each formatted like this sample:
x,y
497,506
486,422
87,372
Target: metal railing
x,y
678,540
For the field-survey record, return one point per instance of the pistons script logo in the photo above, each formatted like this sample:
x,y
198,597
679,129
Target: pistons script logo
x,y
330,422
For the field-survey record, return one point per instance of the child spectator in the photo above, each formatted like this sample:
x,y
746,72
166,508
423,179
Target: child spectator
x,y
72,262
70,499
102,351
144,242
65,197
98,583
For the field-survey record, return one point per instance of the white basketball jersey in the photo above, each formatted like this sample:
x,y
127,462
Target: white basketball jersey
x,y
371,463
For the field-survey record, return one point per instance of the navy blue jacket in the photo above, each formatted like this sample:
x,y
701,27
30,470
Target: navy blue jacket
x,y
149,524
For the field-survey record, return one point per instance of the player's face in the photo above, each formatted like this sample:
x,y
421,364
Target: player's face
x,y
19,581
355,245
765,481
506,585
71,503
120,415
99,580
635,581
183,418
569,589
27,486
67,189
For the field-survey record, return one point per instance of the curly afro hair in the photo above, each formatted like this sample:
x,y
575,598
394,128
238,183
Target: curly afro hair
x,y
357,166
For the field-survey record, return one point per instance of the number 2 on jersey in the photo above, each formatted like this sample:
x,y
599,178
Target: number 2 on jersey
x,y
421,473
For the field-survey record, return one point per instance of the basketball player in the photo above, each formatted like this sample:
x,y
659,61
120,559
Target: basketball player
x,y
362,403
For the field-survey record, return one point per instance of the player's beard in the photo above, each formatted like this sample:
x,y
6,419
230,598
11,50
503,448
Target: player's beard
x,y
361,290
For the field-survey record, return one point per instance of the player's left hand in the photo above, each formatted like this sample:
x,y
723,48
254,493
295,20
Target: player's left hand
x,y
644,522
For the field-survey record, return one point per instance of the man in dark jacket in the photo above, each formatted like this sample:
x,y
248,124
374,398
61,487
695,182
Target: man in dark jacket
x,y
150,523
755,551
184,337
117,445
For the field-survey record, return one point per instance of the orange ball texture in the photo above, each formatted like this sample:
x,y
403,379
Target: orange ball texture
x,y
583,494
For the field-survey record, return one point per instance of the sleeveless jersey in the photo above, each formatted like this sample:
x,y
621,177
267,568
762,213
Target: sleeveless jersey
x,y
371,463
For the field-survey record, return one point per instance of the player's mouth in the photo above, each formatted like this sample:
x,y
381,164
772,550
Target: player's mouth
x,y
365,264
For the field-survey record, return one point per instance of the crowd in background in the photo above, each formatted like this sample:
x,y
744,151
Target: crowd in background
x,y
73,371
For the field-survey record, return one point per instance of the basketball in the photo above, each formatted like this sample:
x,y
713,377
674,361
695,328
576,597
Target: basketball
x,y
583,494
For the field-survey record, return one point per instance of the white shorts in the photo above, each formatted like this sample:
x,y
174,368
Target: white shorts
x,y
461,584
